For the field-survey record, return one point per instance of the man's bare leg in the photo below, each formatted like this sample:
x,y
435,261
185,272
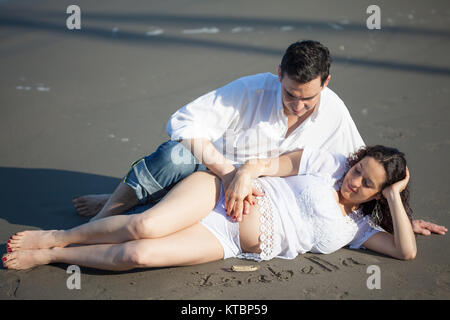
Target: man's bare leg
x,y
121,200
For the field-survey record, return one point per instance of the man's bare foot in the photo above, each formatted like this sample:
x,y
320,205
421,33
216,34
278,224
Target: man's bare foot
x,y
90,205
35,239
26,259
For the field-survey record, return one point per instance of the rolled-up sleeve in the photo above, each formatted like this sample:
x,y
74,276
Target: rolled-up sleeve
x,y
210,115
365,231
319,162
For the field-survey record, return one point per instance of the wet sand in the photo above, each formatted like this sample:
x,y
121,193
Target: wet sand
x,y
78,107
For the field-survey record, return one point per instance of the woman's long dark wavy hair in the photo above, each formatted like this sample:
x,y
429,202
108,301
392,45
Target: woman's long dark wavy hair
x,y
394,164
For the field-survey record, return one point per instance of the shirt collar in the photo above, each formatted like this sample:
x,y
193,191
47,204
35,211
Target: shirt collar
x,y
279,100
316,111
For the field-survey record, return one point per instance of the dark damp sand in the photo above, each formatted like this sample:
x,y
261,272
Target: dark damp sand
x,y
78,107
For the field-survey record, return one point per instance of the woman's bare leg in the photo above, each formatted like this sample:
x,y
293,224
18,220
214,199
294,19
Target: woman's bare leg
x,y
187,203
192,245
116,229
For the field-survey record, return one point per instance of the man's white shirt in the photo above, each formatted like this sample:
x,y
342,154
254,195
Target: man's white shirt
x,y
244,119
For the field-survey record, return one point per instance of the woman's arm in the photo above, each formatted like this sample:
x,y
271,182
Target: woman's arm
x,y
402,244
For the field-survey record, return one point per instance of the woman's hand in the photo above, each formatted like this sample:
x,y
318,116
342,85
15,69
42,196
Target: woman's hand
x,y
419,226
397,187
426,228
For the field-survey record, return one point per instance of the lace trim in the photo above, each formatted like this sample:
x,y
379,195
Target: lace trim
x,y
266,228
358,215
353,217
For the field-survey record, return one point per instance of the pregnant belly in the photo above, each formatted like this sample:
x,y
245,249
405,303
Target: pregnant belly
x,y
249,230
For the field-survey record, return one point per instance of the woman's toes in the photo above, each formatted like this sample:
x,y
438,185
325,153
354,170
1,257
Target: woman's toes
x,y
10,247
9,264
13,242
22,260
7,259
17,236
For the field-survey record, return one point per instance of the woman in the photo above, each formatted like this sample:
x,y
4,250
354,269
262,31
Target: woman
x,y
325,203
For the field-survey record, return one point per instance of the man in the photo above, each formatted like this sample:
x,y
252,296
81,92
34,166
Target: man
x,y
256,116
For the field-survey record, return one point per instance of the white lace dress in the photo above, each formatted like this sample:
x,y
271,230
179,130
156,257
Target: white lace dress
x,y
299,214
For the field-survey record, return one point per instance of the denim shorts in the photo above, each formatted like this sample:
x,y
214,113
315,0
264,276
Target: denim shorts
x,y
153,176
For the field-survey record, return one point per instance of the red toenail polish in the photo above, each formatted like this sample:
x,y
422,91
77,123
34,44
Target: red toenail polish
x,y
4,259
9,250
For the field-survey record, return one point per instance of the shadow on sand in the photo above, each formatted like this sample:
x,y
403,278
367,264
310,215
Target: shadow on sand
x,y
42,199
54,22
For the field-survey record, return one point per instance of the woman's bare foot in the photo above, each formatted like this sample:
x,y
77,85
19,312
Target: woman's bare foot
x,y
26,259
90,205
35,239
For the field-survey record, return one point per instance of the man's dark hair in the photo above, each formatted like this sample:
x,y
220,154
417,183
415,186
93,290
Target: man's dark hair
x,y
303,61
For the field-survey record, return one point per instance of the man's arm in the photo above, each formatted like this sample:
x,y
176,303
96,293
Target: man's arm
x,y
286,165
208,155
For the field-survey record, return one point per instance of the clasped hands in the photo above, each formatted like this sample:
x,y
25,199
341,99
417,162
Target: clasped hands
x,y
239,193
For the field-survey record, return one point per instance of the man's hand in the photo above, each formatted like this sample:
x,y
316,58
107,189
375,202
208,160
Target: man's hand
x,y
426,228
239,193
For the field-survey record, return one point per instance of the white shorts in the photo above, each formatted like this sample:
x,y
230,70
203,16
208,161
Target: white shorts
x,y
223,228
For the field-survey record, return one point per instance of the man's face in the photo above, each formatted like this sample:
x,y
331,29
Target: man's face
x,y
299,99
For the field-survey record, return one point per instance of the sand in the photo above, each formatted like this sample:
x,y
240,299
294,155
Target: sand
x,y
79,106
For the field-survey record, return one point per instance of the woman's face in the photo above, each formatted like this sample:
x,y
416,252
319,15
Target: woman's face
x,y
363,181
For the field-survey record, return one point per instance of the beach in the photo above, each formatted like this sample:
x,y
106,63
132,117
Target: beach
x,y
79,106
